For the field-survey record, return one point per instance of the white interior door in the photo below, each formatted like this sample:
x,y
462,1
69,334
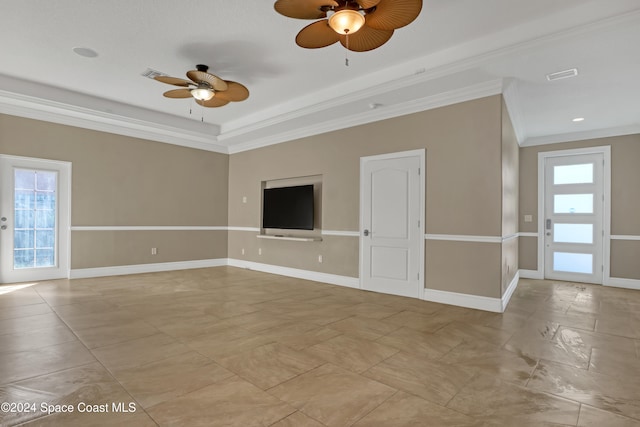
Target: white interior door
x,y
574,218
391,239
34,219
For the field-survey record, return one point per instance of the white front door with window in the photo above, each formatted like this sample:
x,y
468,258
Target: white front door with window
x,y
573,224
34,219
391,225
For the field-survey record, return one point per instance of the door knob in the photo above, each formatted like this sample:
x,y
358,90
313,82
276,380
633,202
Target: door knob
x,y
4,227
3,219
366,233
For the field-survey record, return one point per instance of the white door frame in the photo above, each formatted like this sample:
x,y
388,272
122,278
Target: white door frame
x,y
63,218
606,240
421,155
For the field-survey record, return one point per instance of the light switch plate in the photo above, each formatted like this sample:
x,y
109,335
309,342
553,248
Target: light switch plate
x,y
528,218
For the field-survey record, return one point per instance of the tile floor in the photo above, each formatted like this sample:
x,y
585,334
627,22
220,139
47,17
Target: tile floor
x,y
232,347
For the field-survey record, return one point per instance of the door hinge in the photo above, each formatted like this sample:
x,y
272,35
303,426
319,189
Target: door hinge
x,y
418,171
418,276
602,267
418,223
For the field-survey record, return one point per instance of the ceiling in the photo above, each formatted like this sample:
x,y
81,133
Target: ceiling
x,y
454,51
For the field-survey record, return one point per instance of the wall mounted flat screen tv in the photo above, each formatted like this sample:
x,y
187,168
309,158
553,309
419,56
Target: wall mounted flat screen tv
x,y
288,207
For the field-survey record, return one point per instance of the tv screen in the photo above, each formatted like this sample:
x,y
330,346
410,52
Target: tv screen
x,y
288,207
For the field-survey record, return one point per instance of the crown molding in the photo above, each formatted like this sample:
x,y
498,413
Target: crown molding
x,y
480,90
32,107
580,136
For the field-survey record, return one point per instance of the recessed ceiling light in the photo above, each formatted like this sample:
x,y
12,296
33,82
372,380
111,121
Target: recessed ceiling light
x,y
85,51
565,74
578,119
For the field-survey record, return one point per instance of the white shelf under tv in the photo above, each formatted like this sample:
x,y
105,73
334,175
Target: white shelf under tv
x,y
294,238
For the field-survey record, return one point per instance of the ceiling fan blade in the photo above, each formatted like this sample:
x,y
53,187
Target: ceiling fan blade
x,y
200,76
173,81
318,34
368,4
366,38
178,93
213,102
235,92
393,14
303,9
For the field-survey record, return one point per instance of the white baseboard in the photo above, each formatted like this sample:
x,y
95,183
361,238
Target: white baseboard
x,y
510,290
619,282
333,279
530,274
452,298
463,300
120,270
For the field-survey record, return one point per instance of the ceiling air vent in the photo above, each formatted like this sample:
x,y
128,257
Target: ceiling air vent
x,y
566,74
151,74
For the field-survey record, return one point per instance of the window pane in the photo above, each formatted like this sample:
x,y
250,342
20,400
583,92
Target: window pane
x,y
45,258
23,239
45,239
573,203
45,200
573,233
46,181
572,262
45,219
35,218
24,199
23,258
25,180
573,174
24,219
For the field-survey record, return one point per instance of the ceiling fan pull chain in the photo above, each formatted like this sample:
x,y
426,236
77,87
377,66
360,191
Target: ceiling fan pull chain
x,y
346,52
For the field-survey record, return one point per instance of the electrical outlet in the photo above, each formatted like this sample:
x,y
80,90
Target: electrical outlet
x,y
320,259
259,251
154,251
242,251
528,218
244,199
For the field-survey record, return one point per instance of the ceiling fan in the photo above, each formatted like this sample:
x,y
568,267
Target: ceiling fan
x,y
207,89
359,25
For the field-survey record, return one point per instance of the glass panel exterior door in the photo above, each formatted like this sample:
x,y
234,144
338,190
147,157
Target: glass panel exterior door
x,y
34,219
573,223
34,230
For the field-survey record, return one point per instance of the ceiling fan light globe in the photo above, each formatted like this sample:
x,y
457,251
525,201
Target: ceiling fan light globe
x,y
346,21
202,94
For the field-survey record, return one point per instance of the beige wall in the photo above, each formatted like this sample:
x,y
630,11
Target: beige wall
x,y
478,182
510,184
124,181
463,267
625,200
463,192
527,253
